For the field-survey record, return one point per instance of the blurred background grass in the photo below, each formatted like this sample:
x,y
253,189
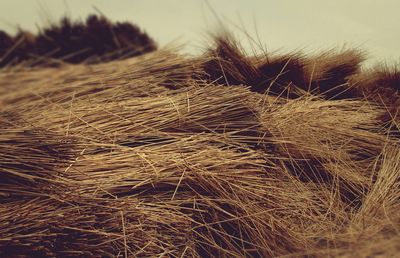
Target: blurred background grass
x,y
286,25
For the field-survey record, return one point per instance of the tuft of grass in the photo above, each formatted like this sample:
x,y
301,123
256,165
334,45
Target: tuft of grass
x,y
96,40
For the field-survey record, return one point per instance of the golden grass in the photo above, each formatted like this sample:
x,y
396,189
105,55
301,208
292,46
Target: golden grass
x,y
154,156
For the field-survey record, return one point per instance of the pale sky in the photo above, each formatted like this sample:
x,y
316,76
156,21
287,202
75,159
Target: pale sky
x,y
285,25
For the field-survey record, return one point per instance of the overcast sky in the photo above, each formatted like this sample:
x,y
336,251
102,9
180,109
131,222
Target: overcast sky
x,y
284,25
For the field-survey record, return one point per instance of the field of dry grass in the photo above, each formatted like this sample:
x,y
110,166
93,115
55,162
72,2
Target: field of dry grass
x,y
220,155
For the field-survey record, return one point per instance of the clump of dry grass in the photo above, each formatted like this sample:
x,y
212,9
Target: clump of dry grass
x,y
156,156
229,65
326,74
96,40
329,73
381,85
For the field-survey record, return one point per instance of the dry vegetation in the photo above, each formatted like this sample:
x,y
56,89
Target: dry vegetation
x,y
96,40
222,155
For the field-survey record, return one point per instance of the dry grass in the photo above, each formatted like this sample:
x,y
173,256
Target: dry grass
x,y
222,155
